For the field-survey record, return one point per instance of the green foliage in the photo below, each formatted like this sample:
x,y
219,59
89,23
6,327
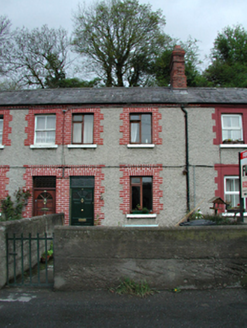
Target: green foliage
x,y
228,66
128,286
120,38
12,210
161,66
219,220
76,83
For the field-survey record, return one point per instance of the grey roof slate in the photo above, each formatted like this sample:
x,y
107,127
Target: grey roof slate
x,y
123,96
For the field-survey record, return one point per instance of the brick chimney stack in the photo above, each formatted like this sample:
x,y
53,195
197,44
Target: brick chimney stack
x,y
178,78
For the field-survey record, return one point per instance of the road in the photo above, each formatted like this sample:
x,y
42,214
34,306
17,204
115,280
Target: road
x,y
29,307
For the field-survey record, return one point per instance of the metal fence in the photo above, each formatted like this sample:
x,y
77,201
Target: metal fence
x,y
23,260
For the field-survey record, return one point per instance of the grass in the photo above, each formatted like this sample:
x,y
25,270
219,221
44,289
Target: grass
x,y
128,286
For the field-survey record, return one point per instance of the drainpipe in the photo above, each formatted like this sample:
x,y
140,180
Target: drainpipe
x,y
63,159
186,158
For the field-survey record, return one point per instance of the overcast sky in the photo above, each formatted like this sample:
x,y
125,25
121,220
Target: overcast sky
x,y
201,19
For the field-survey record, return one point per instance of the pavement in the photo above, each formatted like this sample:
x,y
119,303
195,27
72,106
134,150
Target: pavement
x,y
42,307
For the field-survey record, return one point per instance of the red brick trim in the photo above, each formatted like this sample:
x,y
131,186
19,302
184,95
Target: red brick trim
x,y
6,128
63,186
4,181
217,118
141,170
222,171
125,128
97,128
30,118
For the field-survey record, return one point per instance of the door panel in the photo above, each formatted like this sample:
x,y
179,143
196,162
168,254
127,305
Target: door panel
x,y
44,202
82,206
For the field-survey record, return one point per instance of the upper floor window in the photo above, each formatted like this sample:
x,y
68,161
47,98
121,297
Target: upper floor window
x,y
231,127
231,188
141,128
1,130
141,193
45,129
82,129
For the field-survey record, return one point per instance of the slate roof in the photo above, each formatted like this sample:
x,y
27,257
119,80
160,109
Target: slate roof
x,y
124,96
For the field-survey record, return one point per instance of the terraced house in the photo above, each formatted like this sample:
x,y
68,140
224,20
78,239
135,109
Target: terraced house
x,y
123,156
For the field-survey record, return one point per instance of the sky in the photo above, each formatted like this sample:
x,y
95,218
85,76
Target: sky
x,y
200,19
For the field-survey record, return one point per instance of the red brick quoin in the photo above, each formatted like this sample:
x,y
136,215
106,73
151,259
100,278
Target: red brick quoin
x,y
6,128
4,181
141,170
63,186
125,128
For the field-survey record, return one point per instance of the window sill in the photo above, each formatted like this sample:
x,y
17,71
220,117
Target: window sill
x,y
43,146
1,146
140,146
141,216
82,146
233,145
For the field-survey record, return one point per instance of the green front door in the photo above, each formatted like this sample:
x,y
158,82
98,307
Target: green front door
x,y
82,207
82,200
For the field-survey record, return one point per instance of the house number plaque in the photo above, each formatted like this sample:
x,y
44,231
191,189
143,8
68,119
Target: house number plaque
x,y
82,220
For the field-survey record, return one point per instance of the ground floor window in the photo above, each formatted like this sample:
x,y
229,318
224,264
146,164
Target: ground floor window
x,y
231,189
141,193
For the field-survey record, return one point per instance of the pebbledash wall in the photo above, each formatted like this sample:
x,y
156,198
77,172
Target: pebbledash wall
x,y
111,160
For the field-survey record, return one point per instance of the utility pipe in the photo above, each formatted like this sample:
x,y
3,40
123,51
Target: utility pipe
x,y
186,157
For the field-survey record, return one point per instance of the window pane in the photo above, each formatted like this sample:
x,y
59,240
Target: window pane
x,y
146,128
135,180
135,132
134,117
235,121
40,122
88,129
147,193
50,137
77,118
135,196
51,122
229,185
236,134
40,137
77,132
236,184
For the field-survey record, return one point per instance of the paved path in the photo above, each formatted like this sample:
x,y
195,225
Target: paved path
x,y
43,308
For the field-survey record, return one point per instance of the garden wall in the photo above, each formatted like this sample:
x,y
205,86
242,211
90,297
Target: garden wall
x,y
34,225
189,257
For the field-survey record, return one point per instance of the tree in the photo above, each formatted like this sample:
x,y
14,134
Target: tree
x,y
228,66
120,38
39,57
5,36
161,65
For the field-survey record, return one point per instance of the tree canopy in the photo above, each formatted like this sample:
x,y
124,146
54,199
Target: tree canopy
x,y
228,66
120,38
39,57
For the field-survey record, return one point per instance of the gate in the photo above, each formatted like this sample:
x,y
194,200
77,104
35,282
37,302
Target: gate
x,y
23,258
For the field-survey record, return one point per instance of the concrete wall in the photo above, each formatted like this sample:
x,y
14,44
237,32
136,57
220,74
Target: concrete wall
x,y
188,257
39,224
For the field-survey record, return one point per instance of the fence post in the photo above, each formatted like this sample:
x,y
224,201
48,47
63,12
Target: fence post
x,y
3,264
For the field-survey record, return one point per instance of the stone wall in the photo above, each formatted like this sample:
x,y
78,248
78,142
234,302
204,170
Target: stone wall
x,y
38,224
187,257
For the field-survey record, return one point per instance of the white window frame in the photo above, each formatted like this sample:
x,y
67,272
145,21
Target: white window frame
x,y
233,177
240,128
44,130
1,132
